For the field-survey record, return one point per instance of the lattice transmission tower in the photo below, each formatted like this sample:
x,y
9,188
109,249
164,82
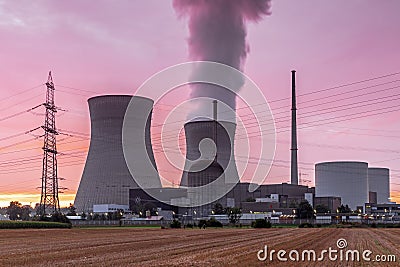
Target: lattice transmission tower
x,y
49,202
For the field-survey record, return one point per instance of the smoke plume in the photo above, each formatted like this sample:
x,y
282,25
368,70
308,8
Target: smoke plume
x,y
217,32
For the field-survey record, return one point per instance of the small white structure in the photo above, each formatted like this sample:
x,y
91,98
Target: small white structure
x,y
323,219
275,197
4,218
74,217
105,208
266,199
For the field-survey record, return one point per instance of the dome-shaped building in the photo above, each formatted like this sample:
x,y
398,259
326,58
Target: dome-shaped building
x,y
345,179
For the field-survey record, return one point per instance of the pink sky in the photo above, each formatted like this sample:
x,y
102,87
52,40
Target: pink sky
x,y
112,48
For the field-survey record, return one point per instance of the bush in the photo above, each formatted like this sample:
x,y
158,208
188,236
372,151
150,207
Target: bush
x,y
32,224
202,224
210,223
175,224
56,217
261,223
189,225
306,225
373,225
214,223
389,225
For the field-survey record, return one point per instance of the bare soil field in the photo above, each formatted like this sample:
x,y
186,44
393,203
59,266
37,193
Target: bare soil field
x,y
185,247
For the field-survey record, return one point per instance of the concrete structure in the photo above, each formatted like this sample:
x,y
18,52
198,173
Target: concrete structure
x,y
294,172
209,143
345,179
106,178
379,182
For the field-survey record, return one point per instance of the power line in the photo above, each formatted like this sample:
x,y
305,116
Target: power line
x,y
19,134
324,97
278,100
19,113
21,92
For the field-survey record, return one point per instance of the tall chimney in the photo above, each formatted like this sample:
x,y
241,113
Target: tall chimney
x,y
215,110
294,178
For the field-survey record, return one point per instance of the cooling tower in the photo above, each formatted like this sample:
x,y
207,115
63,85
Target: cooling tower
x,y
210,153
345,179
106,178
379,182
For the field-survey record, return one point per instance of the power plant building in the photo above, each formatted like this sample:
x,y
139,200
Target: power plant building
x,y
379,184
345,179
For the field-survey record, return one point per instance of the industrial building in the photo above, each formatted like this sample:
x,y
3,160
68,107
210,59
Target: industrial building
x,y
331,203
280,198
106,181
389,210
379,184
353,182
345,179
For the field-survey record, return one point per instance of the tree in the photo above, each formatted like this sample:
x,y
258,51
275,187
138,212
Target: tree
x,y
344,209
218,208
321,209
71,210
25,212
16,211
234,214
116,215
305,210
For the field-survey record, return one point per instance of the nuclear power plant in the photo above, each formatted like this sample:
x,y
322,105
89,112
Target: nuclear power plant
x,y
108,184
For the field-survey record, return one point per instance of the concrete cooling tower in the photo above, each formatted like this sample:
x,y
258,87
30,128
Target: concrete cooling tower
x,y
378,181
106,178
210,153
345,179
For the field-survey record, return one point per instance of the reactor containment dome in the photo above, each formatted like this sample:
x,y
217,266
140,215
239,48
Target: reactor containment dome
x,y
345,179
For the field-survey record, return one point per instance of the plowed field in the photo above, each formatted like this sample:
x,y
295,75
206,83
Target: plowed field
x,y
186,247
